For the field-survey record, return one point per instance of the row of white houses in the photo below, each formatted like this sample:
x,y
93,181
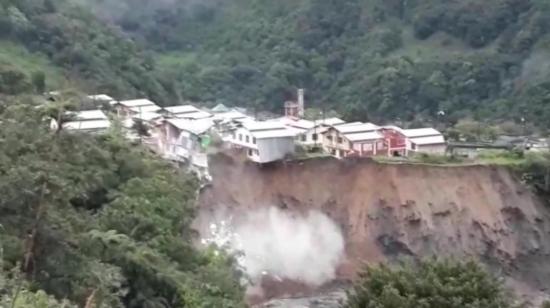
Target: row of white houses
x,y
271,140
184,132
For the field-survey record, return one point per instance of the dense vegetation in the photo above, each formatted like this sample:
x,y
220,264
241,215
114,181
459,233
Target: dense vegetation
x,y
77,50
395,61
97,222
430,284
399,60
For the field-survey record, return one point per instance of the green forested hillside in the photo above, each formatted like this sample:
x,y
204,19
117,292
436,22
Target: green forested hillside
x,y
398,60
76,50
375,59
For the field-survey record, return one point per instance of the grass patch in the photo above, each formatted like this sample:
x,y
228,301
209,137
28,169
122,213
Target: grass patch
x,y
493,158
501,158
18,57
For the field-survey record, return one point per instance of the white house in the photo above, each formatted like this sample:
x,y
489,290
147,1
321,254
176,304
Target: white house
x,y
129,108
300,127
147,116
195,115
180,109
228,122
425,140
230,116
90,121
314,135
99,99
183,140
330,122
309,133
187,112
341,140
264,142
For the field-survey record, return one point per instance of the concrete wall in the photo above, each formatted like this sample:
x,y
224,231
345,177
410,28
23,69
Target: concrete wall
x,y
273,149
438,149
309,141
330,142
242,141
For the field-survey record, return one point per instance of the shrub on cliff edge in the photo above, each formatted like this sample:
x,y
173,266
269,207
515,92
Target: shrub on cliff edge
x,y
430,284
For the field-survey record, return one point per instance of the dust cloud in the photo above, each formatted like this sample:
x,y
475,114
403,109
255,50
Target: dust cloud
x,y
284,246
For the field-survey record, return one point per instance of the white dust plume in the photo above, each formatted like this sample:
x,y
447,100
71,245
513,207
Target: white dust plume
x,y
305,248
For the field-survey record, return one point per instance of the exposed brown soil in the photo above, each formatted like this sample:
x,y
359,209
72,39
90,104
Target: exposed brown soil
x,y
388,211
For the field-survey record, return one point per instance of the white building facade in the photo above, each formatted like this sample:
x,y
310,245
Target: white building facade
x,y
88,121
425,140
183,140
264,142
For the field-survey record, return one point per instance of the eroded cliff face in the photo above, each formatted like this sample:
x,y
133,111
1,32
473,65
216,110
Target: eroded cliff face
x,y
387,211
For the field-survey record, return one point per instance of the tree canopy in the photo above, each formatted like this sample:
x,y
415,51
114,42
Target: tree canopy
x,y
92,218
388,61
429,284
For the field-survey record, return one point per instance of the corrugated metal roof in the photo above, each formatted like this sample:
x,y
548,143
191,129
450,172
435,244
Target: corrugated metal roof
x,y
269,129
148,108
137,103
194,115
196,127
428,140
299,124
220,108
147,116
359,128
348,124
87,115
87,125
276,133
181,109
364,136
303,124
296,131
330,121
101,97
264,125
230,115
393,127
420,132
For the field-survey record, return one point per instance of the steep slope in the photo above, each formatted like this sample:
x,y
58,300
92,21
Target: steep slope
x,y
17,58
75,49
385,60
392,211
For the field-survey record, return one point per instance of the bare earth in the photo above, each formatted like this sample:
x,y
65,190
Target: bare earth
x,y
390,211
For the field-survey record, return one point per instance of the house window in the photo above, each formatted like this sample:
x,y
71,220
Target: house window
x,y
303,137
257,152
340,140
329,137
247,139
380,145
250,152
254,140
333,152
314,137
413,146
240,137
342,154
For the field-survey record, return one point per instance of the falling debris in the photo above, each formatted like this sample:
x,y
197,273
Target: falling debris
x,y
274,244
